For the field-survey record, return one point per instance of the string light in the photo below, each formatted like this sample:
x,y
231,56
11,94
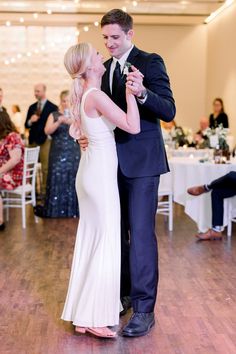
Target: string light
x,y
134,3
42,48
35,15
49,11
124,8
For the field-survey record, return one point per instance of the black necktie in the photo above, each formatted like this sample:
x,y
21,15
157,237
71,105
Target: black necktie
x,y
116,78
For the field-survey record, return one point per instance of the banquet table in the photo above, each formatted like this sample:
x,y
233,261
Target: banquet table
x,y
188,172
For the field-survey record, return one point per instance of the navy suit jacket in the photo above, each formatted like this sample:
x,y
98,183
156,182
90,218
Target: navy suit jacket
x,y
143,154
36,130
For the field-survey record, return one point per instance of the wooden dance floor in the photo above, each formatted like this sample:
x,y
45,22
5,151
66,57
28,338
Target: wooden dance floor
x,y
195,311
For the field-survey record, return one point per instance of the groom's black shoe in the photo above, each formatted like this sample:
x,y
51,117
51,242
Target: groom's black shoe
x,y
126,303
139,324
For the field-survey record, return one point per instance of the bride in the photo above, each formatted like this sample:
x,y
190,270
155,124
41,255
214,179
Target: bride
x,y
93,297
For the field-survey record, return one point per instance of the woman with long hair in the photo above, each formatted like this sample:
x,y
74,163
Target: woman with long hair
x,y
11,158
93,297
63,162
218,116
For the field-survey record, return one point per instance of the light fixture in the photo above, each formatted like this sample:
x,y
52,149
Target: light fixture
x,y
19,56
35,15
49,11
28,54
77,33
13,60
8,23
214,14
134,3
86,28
96,23
22,20
7,62
124,8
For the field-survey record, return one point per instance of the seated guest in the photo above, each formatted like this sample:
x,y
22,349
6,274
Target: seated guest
x,y
64,156
18,119
2,109
218,116
221,188
11,158
200,135
36,119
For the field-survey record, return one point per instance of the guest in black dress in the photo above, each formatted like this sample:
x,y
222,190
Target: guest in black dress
x,y
64,156
218,116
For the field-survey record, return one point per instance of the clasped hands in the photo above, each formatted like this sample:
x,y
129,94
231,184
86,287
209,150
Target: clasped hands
x,y
135,81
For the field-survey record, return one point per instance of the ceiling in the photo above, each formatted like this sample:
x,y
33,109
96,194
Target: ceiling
x,y
72,12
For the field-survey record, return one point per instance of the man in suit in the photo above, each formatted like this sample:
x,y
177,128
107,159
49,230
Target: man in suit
x,y
36,119
141,159
2,109
221,188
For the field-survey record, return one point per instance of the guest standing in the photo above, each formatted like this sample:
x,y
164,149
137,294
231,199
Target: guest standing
x,y
64,156
36,119
17,119
11,158
218,116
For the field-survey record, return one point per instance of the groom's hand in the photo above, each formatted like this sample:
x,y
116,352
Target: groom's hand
x,y
83,142
135,77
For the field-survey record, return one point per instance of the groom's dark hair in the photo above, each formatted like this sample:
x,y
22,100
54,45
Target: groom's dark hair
x,y
119,17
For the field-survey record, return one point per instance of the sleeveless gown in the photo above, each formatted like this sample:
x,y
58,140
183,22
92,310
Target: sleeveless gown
x,y
93,297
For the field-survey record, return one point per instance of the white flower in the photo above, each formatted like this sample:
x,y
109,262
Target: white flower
x,y
126,68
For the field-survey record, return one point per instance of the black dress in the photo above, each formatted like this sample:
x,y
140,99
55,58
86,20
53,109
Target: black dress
x,y
222,118
64,156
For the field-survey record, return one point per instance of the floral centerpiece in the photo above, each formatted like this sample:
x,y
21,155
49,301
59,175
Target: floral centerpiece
x,y
182,136
217,137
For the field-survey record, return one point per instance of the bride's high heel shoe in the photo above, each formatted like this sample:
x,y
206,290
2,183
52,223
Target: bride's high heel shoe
x,y
103,332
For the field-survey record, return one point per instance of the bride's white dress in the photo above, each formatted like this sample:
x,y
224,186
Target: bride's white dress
x,y
94,288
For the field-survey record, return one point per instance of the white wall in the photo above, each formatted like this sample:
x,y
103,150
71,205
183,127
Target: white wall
x,y
221,63
182,47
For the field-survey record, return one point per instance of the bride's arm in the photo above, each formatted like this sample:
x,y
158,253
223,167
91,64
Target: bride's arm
x,y
129,121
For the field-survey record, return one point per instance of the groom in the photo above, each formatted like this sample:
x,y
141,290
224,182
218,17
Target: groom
x,y
141,159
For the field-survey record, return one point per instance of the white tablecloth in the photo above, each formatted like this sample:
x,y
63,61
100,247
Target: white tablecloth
x,y
190,152
188,172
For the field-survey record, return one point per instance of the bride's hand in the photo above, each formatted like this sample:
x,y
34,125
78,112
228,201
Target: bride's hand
x,y
129,87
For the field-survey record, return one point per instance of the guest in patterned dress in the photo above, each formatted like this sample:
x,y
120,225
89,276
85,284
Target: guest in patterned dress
x,y
11,158
64,156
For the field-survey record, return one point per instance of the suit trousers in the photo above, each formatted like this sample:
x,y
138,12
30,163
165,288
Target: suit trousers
x,y
139,252
223,187
43,157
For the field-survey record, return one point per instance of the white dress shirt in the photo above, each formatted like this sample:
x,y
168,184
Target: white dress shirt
x,y
121,61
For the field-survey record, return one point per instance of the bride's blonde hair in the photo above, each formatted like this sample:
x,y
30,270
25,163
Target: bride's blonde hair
x,y
77,60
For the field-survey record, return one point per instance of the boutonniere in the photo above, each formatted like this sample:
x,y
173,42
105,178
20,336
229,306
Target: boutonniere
x,y
126,68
